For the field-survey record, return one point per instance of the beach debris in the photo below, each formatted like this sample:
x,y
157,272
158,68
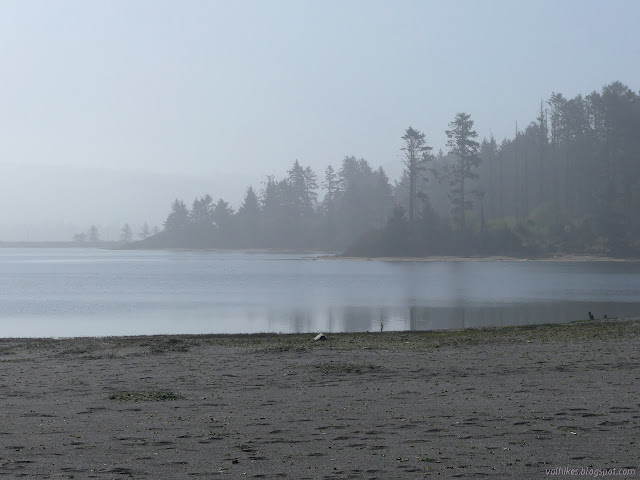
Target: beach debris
x,y
320,337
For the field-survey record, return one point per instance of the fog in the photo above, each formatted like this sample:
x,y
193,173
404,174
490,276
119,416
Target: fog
x,y
111,110
54,203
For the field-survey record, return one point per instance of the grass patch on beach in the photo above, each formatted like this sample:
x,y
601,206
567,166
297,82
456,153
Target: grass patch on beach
x,y
7,350
329,368
171,344
591,331
145,396
283,347
75,351
411,340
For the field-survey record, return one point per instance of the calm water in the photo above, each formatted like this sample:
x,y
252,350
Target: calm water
x,y
77,292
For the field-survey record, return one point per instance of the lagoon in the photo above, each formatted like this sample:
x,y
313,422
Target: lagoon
x,y
70,292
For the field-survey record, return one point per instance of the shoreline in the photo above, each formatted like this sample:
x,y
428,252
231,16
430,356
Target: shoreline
x,y
490,258
500,402
487,332
314,254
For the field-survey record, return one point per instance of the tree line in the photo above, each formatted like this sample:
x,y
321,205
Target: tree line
x,y
93,236
286,213
569,181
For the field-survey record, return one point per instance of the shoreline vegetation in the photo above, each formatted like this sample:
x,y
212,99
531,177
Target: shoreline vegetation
x,y
501,402
567,182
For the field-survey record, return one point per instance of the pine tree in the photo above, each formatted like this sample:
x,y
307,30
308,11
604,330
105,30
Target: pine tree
x,y
145,232
178,216
126,234
465,149
417,154
222,214
330,184
201,210
250,205
94,234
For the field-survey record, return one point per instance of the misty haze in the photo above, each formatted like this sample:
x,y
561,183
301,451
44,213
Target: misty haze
x,y
319,239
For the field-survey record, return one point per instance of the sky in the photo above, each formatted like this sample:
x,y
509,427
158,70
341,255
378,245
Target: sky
x,y
141,101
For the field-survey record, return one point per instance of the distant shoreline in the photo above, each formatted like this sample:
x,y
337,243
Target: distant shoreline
x,y
57,244
490,258
565,257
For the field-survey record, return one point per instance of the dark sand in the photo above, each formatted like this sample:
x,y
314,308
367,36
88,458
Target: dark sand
x,y
503,403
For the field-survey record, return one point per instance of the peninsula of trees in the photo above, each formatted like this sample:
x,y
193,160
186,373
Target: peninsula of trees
x,y
568,182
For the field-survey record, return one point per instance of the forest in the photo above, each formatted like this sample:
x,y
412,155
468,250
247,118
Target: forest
x,y
568,182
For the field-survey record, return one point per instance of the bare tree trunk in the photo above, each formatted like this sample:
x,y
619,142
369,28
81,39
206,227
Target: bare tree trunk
x,y
462,214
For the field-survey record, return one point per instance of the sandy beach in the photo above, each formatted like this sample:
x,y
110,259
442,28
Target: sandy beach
x,y
499,403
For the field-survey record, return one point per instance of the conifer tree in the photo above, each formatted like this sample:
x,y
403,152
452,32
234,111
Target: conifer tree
x,y
417,153
465,150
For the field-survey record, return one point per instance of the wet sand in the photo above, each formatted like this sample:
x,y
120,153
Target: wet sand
x,y
498,403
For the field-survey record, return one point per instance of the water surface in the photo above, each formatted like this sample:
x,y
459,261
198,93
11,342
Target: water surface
x,y
78,292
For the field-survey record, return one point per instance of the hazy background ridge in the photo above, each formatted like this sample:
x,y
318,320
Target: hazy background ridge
x,y
53,203
109,110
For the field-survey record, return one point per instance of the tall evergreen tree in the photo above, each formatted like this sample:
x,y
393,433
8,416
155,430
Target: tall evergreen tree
x,y
331,186
489,158
461,137
303,184
417,153
299,200
222,214
201,212
178,216
94,234
542,147
248,220
311,185
557,132
145,231
250,205
126,234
